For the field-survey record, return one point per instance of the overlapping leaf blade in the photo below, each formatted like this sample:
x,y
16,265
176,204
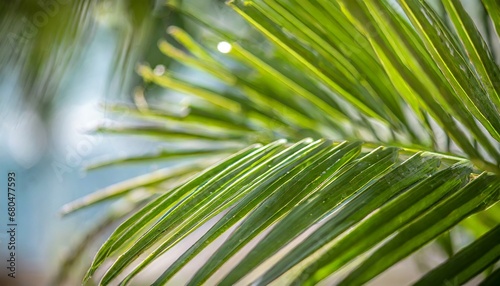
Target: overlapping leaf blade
x,y
476,196
477,50
493,8
448,56
334,189
368,200
250,188
384,222
138,221
261,215
468,262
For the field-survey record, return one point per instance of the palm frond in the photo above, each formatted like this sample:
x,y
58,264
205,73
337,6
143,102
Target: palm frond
x,y
352,193
403,114
468,263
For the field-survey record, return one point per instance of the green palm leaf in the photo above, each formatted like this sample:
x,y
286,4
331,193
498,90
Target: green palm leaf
x,y
403,114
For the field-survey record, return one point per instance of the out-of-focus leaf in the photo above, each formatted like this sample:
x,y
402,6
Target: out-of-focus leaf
x,y
468,262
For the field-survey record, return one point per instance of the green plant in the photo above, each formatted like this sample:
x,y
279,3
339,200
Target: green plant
x,y
400,106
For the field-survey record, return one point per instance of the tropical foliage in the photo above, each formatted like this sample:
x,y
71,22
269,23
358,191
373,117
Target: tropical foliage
x,y
373,130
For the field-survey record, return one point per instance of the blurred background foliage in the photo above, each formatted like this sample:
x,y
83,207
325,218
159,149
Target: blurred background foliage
x,y
44,40
60,60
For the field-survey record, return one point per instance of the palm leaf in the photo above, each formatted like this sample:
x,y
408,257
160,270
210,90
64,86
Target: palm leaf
x,y
403,114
